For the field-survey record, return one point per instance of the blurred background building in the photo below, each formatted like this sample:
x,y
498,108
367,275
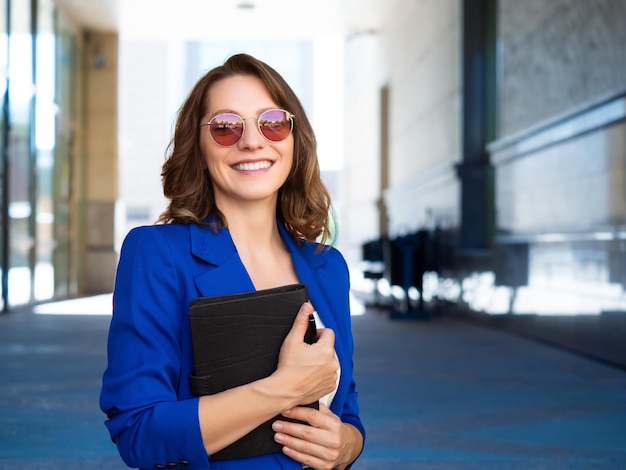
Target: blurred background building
x,y
489,136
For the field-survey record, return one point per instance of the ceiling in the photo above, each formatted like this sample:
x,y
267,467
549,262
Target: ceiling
x,y
210,19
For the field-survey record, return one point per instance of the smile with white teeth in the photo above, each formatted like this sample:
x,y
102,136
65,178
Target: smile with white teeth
x,y
252,166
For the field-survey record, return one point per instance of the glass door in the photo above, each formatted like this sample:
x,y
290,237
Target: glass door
x,y
45,140
4,103
20,174
66,84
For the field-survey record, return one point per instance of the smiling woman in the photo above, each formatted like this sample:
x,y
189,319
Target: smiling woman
x,y
247,204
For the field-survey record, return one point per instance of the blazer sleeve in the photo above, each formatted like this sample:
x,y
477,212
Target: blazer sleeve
x,y
148,422
350,410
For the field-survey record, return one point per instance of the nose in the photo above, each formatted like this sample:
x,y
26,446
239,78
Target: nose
x,y
251,137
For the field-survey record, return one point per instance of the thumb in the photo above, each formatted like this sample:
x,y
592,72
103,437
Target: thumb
x,y
301,322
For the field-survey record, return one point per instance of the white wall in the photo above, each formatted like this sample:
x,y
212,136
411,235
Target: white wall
x,y
360,178
417,54
149,95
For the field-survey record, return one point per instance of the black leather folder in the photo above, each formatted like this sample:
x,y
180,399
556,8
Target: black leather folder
x,y
236,340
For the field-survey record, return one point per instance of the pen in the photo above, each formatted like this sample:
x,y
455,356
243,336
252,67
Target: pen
x,y
311,332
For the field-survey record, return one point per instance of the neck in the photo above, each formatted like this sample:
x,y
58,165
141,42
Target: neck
x,y
261,249
253,226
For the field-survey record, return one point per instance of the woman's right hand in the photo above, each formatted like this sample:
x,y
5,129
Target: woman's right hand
x,y
307,372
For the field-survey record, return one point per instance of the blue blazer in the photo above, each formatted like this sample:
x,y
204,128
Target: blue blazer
x,y
152,414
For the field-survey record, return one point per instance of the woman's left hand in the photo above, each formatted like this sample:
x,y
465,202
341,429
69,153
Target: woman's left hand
x,y
326,444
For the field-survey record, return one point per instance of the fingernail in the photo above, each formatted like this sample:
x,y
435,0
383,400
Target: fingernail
x,y
277,426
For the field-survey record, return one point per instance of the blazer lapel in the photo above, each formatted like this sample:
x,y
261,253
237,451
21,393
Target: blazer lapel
x,y
224,273
309,268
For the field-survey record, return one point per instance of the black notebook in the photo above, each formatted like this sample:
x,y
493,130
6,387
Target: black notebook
x,y
236,340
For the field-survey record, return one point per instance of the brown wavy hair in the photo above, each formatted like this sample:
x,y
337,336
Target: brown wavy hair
x,y
303,201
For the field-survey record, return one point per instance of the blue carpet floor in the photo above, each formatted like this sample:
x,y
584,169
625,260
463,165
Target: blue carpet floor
x,y
446,394
437,394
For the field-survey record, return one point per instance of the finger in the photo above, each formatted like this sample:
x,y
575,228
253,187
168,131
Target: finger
x,y
303,451
316,444
291,433
322,419
306,414
307,459
326,335
305,444
301,322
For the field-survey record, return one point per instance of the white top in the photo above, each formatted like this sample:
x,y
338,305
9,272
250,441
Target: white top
x,y
327,399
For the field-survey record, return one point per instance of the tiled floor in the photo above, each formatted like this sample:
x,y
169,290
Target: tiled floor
x,y
437,394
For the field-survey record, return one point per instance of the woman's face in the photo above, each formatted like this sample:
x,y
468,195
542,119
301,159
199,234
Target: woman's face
x,y
254,168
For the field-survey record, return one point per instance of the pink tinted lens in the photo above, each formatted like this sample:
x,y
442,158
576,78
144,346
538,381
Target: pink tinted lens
x,y
226,129
275,124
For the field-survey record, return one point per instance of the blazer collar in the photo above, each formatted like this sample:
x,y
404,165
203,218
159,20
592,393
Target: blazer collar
x,y
229,275
302,251
215,247
218,247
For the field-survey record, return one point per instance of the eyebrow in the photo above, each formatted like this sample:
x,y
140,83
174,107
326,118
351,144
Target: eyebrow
x,y
232,111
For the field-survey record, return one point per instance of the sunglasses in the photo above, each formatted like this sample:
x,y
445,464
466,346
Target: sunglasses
x,y
227,129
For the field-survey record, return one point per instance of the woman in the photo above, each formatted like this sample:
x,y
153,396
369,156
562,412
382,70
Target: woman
x,y
246,206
